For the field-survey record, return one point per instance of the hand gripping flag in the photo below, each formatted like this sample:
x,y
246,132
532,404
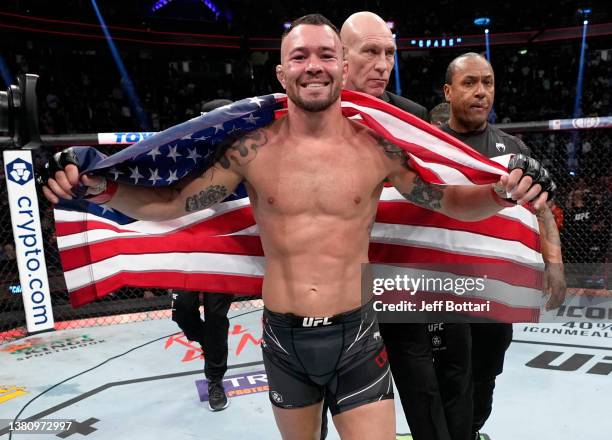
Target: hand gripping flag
x,y
218,249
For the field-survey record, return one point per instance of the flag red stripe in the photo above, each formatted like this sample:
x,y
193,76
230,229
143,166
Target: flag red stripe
x,y
75,227
497,226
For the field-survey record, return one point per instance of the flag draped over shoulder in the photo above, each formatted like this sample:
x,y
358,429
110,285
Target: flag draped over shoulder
x,y
218,249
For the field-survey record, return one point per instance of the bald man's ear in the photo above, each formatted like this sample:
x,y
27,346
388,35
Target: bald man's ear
x,y
280,75
447,92
345,68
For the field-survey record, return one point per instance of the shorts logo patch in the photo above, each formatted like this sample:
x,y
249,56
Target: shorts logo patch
x,y
382,358
500,147
315,322
376,336
436,341
276,396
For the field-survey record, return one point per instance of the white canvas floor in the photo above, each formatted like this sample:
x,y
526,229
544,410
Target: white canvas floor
x,y
151,392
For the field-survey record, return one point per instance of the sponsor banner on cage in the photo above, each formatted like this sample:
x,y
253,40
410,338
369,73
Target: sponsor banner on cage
x,y
27,232
122,138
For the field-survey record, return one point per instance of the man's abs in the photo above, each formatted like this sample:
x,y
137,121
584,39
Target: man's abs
x,y
313,269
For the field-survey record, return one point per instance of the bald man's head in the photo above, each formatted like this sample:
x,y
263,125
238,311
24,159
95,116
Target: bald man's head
x,y
369,50
360,23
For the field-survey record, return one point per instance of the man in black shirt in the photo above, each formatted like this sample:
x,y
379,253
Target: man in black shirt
x,y
470,90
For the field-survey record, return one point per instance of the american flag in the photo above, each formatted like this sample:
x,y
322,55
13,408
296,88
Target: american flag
x,y
218,249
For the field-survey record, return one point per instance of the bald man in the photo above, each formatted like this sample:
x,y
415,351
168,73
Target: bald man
x,y
370,52
432,414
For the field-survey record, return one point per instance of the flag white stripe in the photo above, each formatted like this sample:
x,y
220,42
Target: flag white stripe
x,y
450,175
459,242
203,263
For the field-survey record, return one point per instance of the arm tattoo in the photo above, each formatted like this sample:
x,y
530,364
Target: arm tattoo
x,y
392,151
240,148
206,198
426,195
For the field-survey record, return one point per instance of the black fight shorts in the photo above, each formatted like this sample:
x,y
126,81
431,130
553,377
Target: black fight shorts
x,y
341,357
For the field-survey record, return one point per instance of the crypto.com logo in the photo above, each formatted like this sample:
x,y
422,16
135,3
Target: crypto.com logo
x,y
19,171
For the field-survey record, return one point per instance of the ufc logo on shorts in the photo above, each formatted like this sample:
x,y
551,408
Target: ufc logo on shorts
x,y
315,322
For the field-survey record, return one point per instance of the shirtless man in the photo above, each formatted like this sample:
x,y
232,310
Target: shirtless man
x,y
314,202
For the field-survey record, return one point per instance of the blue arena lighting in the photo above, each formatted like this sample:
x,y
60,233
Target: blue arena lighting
x,y
578,97
160,4
420,43
126,82
398,84
428,43
413,42
451,42
5,73
213,8
482,21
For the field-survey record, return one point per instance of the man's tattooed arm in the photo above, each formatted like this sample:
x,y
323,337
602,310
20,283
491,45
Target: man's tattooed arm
x,y
425,194
392,151
244,150
206,198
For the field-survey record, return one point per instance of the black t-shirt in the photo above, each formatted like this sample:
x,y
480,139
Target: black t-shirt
x,y
490,142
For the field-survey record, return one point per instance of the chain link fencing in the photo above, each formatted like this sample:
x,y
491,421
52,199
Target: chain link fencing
x,y
579,160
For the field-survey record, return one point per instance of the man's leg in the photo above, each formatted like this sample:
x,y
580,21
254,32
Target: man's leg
x,y
216,326
489,345
186,313
299,423
372,421
411,360
451,345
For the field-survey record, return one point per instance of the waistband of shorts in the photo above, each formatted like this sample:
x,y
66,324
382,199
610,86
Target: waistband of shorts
x,y
292,320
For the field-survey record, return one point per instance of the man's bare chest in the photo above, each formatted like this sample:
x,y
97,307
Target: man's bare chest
x,y
318,181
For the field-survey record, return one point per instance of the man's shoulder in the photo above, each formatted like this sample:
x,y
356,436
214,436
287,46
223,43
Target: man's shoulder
x,y
512,143
406,105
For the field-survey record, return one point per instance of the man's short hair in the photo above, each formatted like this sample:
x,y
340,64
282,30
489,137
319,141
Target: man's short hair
x,y
450,70
440,114
314,19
